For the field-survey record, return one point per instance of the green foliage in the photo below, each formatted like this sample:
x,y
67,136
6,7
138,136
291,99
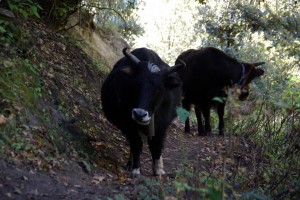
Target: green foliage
x,y
13,35
117,197
193,184
150,189
15,84
62,10
25,8
102,69
87,166
27,131
254,195
169,28
57,13
16,88
189,183
117,16
182,114
6,31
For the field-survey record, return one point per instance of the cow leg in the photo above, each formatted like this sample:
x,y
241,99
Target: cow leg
x,y
220,110
206,114
199,120
156,145
136,146
186,105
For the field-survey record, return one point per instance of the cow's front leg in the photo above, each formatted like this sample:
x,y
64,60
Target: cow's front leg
x,y
199,120
136,146
156,146
220,111
206,114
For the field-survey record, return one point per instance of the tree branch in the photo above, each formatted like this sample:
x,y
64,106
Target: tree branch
x,y
107,8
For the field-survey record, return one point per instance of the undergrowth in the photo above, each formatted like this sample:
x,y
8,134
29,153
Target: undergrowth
x,y
34,127
21,136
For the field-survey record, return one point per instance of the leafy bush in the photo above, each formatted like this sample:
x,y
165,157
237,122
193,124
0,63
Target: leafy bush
x,y
116,17
6,31
24,8
9,30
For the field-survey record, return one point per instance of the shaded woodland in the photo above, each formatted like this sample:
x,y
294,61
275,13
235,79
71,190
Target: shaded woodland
x,y
55,142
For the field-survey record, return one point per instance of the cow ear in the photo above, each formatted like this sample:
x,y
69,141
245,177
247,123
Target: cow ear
x,y
127,70
172,81
258,63
259,72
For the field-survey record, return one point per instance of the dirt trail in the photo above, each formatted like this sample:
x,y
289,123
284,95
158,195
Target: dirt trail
x,y
17,182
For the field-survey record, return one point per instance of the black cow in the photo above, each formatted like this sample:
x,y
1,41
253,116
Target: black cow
x,y
207,75
140,96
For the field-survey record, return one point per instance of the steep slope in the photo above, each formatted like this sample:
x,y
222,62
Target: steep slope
x,y
103,48
50,116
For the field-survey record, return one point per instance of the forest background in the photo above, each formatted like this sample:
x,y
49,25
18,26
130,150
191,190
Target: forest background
x,y
249,30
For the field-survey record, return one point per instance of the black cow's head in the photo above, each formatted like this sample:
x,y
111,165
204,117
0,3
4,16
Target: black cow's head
x,y
149,84
250,72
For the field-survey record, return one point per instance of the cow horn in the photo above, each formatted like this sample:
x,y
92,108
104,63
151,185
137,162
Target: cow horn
x,y
177,67
259,63
131,57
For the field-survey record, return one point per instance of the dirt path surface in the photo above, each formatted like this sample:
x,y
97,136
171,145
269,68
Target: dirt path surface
x,y
72,182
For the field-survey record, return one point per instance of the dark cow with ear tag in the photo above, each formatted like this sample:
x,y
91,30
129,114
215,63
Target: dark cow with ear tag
x,y
140,96
208,74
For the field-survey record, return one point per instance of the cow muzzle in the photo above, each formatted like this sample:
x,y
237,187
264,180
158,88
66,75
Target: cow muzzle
x,y
141,116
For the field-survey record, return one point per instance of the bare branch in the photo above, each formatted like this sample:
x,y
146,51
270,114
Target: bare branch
x,y
113,9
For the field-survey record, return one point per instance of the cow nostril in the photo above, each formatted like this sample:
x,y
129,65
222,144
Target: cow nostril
x,y
140,115
138,112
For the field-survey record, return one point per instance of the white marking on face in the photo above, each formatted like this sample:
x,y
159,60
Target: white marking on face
x,y
141,116
153,68
158,167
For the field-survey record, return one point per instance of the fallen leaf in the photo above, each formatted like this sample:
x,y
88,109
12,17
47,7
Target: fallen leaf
x,y
8,195
24,178
72,190
18,191
97,179
2,120
78,186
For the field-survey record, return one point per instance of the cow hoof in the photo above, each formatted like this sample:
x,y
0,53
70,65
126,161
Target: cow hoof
x,y
159,172
158,167
136,172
